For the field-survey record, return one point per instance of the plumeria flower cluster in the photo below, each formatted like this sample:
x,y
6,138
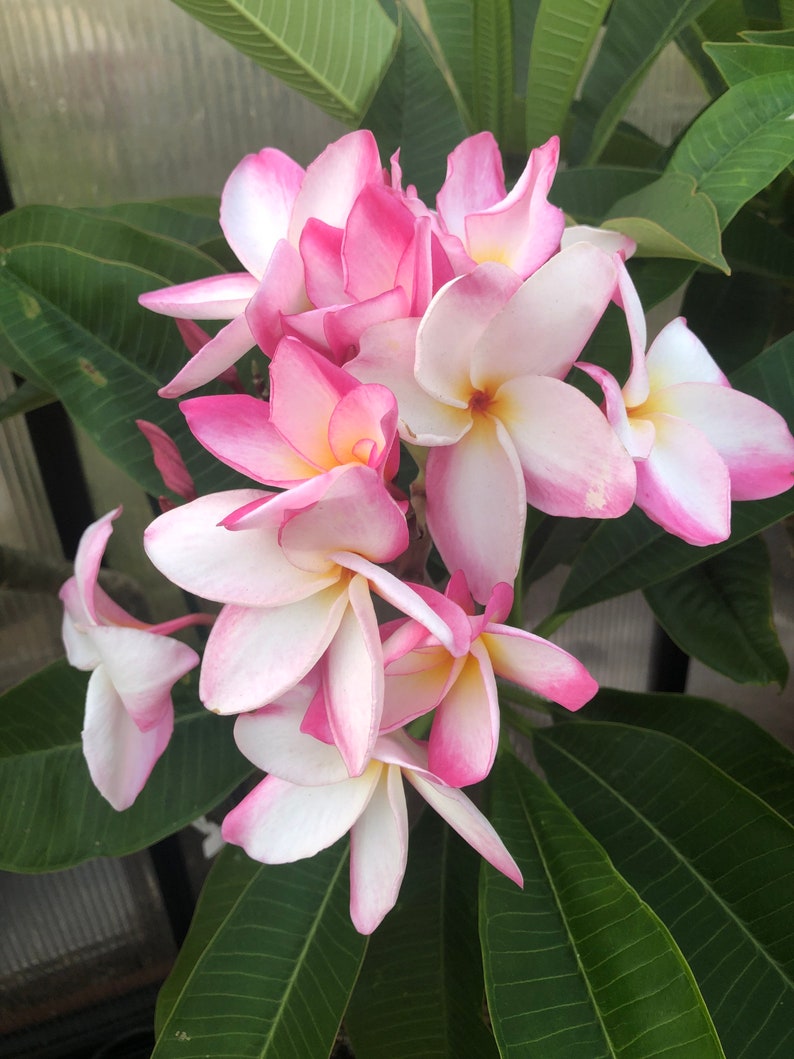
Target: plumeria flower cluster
x,y
448,333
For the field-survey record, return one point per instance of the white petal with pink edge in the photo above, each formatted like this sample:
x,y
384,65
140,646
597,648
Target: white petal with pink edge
x,y
573,462
214,298
219,354
272,740
677,355
474,181
539,666
378,852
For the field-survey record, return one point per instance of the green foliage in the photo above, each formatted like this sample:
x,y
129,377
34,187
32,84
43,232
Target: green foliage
x,y
59,818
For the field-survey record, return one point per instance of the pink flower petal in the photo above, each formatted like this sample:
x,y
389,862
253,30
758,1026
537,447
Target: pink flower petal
x,y
88,559
377,215
255,654
606,240
281,292
378,852
80,650
215,298
636,435
573,472
474,182
119,755
344,328
452,326
256,205
415,684
546,323
212,360
677,355
465,730
363,426
476,505
539,666
353,679
463,817
279,822
168,460
684,485
752,438
321,250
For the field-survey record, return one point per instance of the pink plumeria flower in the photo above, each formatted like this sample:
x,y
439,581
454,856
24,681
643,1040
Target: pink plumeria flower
x,y
129,715
319,417
485,391
295,571
519,228
698,443
421,675
266,204
308,801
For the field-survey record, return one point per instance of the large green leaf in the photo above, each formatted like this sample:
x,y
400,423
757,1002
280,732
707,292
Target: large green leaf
x,y
228,877
576,964
738,62
187,223
632,552
275,976
720,612
493,66
563,36
421,989
416,110
741,142
335,54
752,244
771,37
709,857
727,738
589,192
731,315
670,218
451,24
70,320
636,32
59,818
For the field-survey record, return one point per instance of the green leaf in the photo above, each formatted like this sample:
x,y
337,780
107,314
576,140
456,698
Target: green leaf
x,y
232,871
421,988
720,612
632,552
731,315
738,62
275,977
770,37
589,192
711,859
415,109
636,32
727,738
741,142
563,36
70,319
752,244
186,224
451,23
26,398
576,963
670,218
334,54
493,66
59,818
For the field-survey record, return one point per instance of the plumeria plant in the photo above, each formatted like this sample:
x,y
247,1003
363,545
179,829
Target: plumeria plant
x,y
417,377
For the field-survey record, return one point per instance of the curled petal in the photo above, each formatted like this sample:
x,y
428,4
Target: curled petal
x,y
677,355
168,460
636,435
279,822
379,215
119,755
281,293
87,561
321,251
475,181
212,360
415,684
378,852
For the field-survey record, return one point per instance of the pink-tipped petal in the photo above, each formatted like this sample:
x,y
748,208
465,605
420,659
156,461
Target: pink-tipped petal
x,y
465,730
545,325
415,685
321,250
212,360
378,853
573,462
363,426
256,205
636,435
476,505
474,181
88,559
626,297
463,817
344,327
279,822
752,438
80,649
281,293
378,215
684,485
539,666
215,298
254,655
119,755
143,668
606,240
168,460
677,355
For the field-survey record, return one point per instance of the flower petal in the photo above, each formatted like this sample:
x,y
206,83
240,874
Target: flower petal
x,y
281,292
539,666
168,460
476,505
219,354
573,462
119,755
677,355
279,822
88,559
378,852
474,181
273,741
215,298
